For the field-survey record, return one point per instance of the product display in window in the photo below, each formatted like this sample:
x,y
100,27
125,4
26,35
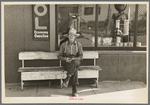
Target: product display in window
x,y
121,21
115,24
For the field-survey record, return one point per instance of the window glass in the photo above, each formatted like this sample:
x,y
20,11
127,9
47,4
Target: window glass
x,y
82,18
141,33
65,20
88,11
116,25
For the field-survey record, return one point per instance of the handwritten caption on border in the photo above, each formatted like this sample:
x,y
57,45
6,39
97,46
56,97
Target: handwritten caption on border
x,y
72,98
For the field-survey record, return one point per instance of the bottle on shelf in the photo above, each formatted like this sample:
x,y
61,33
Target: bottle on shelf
x,y
118,37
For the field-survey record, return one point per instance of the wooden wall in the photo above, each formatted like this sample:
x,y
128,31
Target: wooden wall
x,y
123,65
18,37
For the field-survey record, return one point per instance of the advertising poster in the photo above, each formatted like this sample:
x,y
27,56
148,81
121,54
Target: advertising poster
x,y
41,22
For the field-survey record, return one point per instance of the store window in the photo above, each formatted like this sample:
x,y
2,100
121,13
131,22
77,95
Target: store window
x,y
105,26
88,11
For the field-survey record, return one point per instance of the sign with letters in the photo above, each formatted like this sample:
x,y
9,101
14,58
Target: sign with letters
x,y
41,22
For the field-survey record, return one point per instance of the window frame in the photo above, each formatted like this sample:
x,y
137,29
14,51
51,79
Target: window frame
x,y
134,48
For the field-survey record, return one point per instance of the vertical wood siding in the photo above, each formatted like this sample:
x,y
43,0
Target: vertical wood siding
x,y
123,67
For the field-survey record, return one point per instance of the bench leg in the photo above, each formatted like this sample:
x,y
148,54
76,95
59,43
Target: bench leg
x,y
61,81
22,83
97,83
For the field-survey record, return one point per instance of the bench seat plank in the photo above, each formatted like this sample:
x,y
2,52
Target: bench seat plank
x,y
34,55
43,75
88,74
38,69
89,68
57,75
50,69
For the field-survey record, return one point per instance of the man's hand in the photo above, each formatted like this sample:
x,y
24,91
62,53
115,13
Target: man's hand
x,y
76,58
68,60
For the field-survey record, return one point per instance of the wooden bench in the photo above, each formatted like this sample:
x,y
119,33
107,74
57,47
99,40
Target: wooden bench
x,y
55,72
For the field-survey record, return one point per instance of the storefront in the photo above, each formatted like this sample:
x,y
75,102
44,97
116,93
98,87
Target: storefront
x,y
118,32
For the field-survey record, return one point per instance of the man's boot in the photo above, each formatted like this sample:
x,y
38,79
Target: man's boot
x,y
74,91
66,82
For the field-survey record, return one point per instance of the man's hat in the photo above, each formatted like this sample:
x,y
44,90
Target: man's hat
x,y
72,31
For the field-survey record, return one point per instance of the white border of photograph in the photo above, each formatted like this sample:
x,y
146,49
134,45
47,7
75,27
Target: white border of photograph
x,y
135,96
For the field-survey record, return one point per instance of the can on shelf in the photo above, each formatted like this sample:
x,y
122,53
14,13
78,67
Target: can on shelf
x,y
138,44
121,44
125,44
117,44
131,44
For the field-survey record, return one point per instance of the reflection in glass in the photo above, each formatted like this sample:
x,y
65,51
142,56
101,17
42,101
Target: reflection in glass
x,y
115,25
80,17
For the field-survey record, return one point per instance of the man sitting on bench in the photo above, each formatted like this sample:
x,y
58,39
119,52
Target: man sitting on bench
x,y
71,53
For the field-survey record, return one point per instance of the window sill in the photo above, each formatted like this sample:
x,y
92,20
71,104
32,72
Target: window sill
x,y
116,48
122,52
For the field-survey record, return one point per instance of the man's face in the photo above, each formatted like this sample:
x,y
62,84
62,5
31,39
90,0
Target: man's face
x,y
71,38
